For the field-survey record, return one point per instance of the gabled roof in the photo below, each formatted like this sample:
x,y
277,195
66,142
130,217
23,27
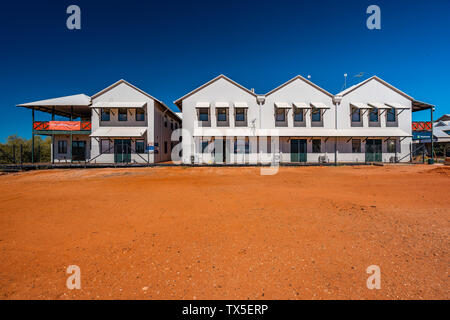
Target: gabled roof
x,y
303,79
135,88
178,101
354,87
74,100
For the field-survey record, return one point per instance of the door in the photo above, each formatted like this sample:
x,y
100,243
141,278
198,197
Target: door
x,y
122,151
298,150
78,150
220,151
373,150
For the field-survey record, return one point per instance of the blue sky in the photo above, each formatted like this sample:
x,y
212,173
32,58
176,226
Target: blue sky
x,y
168,48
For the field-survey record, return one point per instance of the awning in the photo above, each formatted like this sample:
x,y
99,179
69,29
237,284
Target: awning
x,y
396,105
240,105
319,105
222,104
302,132
202,105
378,105
125,132
301,105
116,105
360,105
282,105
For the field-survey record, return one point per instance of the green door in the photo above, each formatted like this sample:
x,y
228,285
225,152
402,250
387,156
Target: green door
x,y
78,150
122,151
219,151
298,150
373,150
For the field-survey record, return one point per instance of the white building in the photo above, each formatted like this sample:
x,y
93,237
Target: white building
x,y
297,122
120,124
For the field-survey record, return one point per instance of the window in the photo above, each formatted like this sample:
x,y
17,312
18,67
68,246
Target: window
x,y
280,115
165,122
316,145
222,115
171,125
356,115
298,115
391,115
356,145
316,115
204,147
240,114
105,146
203,114
165,146
122,114
140,147
140,114
176,126
105,115
62,147
373,116
241,146
391,146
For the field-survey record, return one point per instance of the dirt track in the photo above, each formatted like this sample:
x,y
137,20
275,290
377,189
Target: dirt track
x,y
226,233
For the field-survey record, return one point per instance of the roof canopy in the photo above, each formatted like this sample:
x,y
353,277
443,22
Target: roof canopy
x,y
62,106
419,106
117,105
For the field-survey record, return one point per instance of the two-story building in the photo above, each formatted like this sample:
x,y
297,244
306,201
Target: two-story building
x,y
296,122
120,124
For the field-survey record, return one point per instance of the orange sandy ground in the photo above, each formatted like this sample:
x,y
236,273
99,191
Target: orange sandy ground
x,y
226,233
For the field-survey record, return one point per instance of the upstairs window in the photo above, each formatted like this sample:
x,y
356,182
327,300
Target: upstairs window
x,y
122,114
140,114
316,145
222,115
356,115
356,145
240,114
105,115
203,114
316,115
391,115
373,116
298,115
280,115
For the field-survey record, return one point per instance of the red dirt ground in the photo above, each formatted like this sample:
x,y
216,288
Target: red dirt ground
x,y
226,233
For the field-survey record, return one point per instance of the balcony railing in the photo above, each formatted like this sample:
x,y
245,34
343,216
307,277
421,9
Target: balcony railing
x,y
62,125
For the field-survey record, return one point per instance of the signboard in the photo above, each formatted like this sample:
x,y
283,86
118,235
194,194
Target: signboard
x,y
420,135
64,125
150,148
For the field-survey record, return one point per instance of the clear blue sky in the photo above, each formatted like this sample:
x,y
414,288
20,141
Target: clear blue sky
x,y
168,48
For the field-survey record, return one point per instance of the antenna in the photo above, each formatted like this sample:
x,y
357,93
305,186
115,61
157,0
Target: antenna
x,y
345,80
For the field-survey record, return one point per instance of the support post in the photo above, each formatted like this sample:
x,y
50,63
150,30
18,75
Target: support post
x,y
432,137
52,149
335,151
32,135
